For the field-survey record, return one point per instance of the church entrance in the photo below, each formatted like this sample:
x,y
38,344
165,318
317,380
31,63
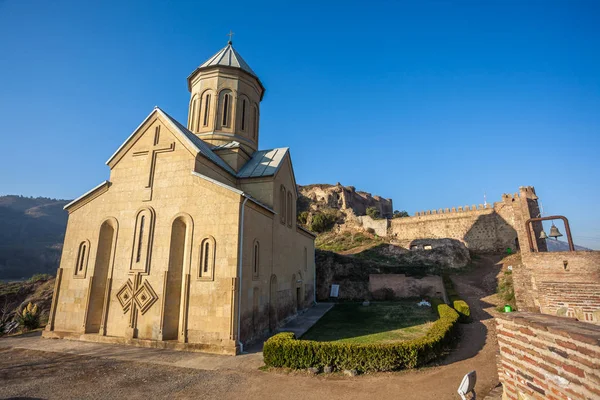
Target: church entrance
x,y
104,256
172,301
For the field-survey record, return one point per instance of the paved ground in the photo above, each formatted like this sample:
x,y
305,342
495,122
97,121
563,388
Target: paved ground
x,y
57,369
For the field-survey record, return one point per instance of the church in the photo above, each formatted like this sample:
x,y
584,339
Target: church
x,y
192,243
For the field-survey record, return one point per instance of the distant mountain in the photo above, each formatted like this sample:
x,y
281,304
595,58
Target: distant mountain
x,y
32,231
559,245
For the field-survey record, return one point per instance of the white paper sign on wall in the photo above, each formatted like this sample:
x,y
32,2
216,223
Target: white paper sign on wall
x,y
335,289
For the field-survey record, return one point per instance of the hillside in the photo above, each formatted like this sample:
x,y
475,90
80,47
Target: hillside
x,y
32,231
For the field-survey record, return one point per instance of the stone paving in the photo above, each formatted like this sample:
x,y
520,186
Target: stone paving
x,y
250,360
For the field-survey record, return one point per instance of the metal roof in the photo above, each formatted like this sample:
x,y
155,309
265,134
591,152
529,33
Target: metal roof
x,y
198,143
228,145
263,163
228,57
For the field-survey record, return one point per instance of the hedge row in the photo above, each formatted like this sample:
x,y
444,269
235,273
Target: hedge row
x,y
284,350
461,306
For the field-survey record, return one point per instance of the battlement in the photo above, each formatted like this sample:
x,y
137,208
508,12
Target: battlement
x,y
453,210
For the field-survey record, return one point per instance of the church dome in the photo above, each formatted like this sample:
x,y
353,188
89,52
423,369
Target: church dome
x,y
228,57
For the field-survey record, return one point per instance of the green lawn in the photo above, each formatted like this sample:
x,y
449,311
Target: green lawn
x,y
377,323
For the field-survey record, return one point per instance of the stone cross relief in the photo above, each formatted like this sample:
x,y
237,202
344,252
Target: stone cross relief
x,y
151,155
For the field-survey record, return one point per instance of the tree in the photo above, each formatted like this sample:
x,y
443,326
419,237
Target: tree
x,y
373,212
400,214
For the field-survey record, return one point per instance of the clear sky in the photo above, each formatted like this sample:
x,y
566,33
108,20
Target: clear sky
x,y
431,104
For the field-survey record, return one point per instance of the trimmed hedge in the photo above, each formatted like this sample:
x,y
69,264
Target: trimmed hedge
x,y
461,306
284,350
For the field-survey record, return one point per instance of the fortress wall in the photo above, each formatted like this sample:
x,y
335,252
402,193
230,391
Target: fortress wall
x,y
479,228
379,226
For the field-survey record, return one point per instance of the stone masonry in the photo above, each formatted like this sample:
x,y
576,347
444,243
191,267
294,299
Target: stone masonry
x,y
547,357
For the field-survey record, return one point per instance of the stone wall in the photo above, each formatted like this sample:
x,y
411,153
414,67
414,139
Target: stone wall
x,y
548,357
401,285
379,226
560,283
345,198
481,228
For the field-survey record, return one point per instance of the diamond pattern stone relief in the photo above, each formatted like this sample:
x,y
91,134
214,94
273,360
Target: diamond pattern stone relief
x,y
125,295
144,297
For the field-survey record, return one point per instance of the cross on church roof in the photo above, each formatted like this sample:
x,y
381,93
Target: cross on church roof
x,y
230,34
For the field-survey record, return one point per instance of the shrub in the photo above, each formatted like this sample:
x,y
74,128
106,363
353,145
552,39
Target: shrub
x,y
371,231
322,222
29,318
303,217
40,277
373,212
400,214
461,306
284,350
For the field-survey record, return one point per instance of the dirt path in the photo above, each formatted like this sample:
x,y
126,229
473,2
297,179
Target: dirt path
x,y
40,374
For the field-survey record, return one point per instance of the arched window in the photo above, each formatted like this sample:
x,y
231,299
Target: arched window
x,y
290,202
243,114
206,270
193,118
82,258
206,109
255,122
225,108
142,240
255,259
140,243
282,204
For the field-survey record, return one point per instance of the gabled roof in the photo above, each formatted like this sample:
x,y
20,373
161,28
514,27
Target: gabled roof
x,y
228,57
187,137
263,163
200,145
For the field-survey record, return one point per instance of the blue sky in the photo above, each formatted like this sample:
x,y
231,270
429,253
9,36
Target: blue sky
x,y
428,103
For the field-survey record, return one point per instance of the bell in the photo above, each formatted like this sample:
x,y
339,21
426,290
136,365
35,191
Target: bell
x,y
543,235
554,232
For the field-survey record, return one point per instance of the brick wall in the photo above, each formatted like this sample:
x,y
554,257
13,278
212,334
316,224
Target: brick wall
x,y
548,357
560,283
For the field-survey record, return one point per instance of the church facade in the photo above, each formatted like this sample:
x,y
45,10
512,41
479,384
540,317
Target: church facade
x,y
192,243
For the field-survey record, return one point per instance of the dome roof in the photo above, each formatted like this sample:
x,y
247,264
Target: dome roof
x,y
228,57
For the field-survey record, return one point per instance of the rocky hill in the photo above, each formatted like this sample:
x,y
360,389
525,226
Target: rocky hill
x,y
32,231
343,198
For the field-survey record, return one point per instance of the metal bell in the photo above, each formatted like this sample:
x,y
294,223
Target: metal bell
x,y
543,235
554,232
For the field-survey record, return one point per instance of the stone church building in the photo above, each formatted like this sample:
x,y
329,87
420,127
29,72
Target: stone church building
x,y
192,243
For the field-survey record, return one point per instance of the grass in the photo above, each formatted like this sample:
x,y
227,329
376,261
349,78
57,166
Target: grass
x,y
506,291
377,323
345,241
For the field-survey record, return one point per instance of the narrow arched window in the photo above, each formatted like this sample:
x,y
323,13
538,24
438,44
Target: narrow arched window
x,y
282,204
289,208
140,243
226,109
207,259
255,259
206,109
255,122
244,114
82,258
206,251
